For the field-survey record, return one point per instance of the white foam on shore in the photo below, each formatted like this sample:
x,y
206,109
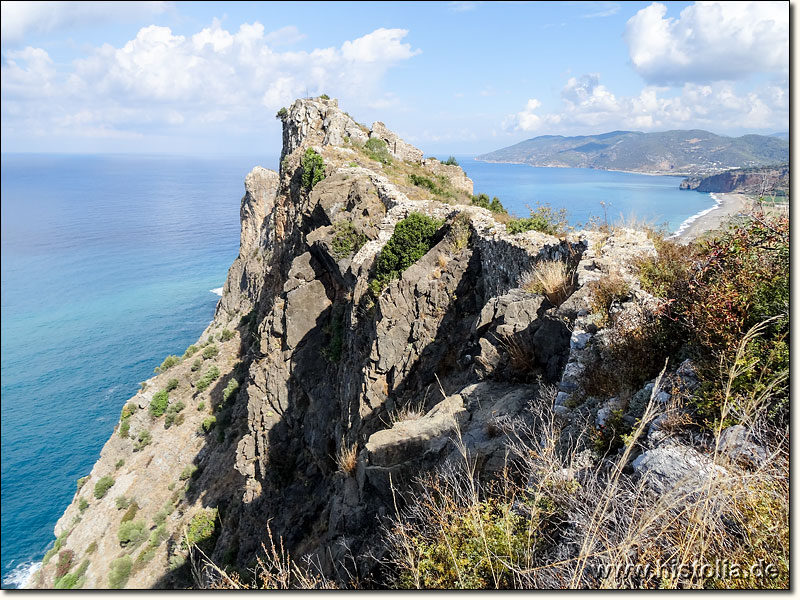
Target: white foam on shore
x,y
21,575
217,291
687,223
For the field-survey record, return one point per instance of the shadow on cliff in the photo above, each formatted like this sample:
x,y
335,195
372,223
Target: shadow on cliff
x,y
301,484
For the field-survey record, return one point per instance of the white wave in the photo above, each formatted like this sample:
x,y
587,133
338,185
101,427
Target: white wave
x,y
217,291
21,575
685,225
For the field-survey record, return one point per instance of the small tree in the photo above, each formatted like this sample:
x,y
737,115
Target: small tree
x,y
313,169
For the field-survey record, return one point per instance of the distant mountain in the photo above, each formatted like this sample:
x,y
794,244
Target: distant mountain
x,y
784,135
692,152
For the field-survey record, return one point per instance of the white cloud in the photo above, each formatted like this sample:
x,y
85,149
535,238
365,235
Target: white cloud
x,y
17,19
589,107
162,80
604,9
710,41
285,36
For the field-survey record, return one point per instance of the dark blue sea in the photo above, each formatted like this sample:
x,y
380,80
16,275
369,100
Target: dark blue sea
x,y
108,265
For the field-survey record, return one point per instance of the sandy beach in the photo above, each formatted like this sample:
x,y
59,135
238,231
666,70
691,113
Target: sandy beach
x,y
728,205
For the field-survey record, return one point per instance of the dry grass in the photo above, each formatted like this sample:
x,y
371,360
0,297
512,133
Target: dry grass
x,y
347,457
559,524
520,357
551,278
605,291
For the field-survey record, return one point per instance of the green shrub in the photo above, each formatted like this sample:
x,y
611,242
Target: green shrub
x,y
494,205
171,385
122,502
346,240
83,504
226,335
210,351
543,219
230,390
201,531
158,535
82,481
451,160
124,428
119,573
282,114
208,424
69,581
188,471
426,183
159,403
190,351
131,533
179,419
145,438
324,97
172,413
91,548
313,169
128,410
376,149
102,486
411,240
133,508
201,407
197,364
206,380
169,362
120,463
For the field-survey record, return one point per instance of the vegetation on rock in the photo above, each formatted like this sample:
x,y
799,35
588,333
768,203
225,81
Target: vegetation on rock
x,y
313,169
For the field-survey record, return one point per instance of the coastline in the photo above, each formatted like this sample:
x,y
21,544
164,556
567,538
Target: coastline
x,y
727,205
651,173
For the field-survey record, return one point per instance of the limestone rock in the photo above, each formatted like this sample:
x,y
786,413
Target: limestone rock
x,y
676,467
397,147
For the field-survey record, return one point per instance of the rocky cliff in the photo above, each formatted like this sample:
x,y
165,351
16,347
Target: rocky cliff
x,y
314,398
763,181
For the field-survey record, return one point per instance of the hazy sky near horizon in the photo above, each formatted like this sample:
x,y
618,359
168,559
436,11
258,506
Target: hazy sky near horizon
x,y
450,77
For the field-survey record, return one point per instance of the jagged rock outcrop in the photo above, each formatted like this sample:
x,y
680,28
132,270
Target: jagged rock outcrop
x,y
324,396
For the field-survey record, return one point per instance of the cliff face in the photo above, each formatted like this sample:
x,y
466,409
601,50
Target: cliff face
x,y
763,181
325,367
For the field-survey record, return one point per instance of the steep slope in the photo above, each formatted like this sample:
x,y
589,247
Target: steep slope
x,y
668,152
315,397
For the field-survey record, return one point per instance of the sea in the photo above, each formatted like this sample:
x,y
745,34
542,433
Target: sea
x,y
112,262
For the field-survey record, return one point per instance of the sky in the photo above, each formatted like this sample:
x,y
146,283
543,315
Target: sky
x,y
449,77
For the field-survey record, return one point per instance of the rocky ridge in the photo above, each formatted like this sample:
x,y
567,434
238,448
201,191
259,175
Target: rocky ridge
x,y
328,370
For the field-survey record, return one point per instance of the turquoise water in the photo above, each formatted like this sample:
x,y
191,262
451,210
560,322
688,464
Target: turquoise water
x,y
107,267
652,199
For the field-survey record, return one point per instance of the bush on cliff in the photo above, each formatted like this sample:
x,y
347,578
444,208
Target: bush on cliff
x,y
411,240
346,240
313,169
201,531
206,380
376,149
102,486
159,403
169,362
494,205
119,573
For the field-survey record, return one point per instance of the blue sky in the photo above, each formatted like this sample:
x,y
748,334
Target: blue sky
x,y
450,77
